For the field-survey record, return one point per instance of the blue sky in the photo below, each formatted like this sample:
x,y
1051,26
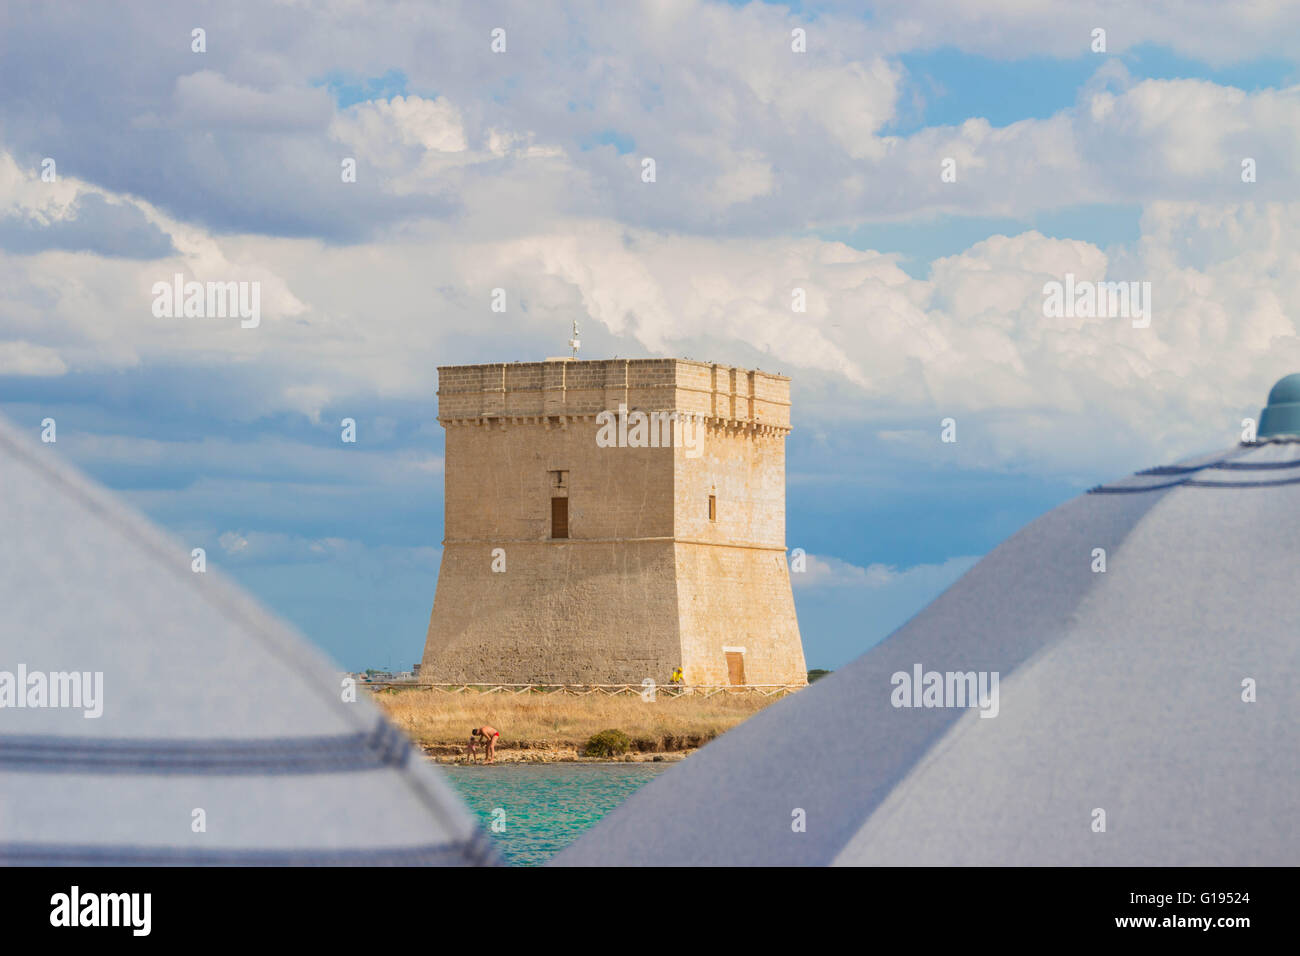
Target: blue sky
x,y
522,170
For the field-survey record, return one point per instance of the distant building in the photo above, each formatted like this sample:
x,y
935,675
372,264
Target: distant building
x,y
607,521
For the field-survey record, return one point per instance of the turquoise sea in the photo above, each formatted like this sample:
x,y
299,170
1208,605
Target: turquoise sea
x,y
540,809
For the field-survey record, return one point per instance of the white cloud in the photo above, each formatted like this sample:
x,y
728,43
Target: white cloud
x,y
388,134
827,572
749,136
23,194
233,543
748,177
208,100
280,548
844,608
773,145
550,224
970,340
24,358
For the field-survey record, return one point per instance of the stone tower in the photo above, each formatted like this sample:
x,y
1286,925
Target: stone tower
x,y
607,521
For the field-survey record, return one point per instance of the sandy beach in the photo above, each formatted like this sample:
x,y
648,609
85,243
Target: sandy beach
x,y
552,728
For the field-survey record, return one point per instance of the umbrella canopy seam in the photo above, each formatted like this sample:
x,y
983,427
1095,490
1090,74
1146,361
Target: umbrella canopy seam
x,y
1191,483
53,854
382,749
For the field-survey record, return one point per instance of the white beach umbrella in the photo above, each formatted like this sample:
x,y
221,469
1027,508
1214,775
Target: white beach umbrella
x,y
1146,714
197,729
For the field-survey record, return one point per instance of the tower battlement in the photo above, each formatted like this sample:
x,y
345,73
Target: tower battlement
x,y
578,389
579,547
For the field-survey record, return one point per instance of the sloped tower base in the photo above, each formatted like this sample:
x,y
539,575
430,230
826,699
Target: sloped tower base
x,y
560,613
612,613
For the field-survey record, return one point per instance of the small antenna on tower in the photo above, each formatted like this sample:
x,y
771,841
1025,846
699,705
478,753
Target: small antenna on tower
x,y
575,341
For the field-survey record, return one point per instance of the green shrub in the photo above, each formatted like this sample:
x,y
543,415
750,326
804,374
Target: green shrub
x,y
608,743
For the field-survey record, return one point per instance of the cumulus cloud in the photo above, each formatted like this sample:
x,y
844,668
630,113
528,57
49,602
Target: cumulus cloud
x,y
207,100
323,462
825,572
92,224
748,136
24,358
39,210
245,550
262,546
845,608
376,127
493,182
971,339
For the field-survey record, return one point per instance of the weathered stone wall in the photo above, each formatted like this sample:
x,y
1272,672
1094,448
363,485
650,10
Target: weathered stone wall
x,y
737,598
575,612
645,581
745,474
732,579
498,484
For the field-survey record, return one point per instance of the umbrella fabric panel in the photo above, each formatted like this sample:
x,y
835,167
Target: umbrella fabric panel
x,y
836,749
1125,684
89,587
207,702
1138,712
332,811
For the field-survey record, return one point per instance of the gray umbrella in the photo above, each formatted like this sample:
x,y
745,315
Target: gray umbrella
x,y
1146,641
151,714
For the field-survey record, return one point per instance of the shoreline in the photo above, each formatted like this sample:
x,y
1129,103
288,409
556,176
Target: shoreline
x,y
454,756
558,728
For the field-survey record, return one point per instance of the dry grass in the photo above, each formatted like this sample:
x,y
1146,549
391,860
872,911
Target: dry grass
x,y
440,722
